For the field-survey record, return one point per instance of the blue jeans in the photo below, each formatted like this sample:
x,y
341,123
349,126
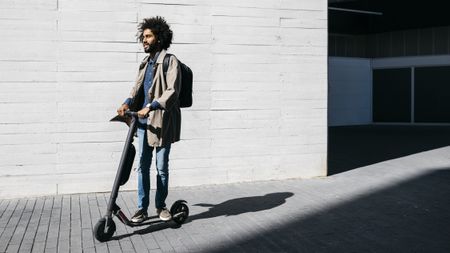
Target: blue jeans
x,y
145,154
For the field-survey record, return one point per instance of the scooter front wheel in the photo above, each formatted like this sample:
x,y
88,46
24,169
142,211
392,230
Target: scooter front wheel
x,y
103,234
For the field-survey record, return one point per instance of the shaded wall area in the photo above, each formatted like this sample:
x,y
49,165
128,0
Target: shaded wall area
x,y
349,91
390,29
411,42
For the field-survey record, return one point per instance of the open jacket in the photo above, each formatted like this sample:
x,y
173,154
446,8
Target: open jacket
x,y
163,125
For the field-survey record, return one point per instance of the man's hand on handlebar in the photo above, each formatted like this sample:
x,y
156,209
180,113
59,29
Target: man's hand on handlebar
x,y
143,113
121,111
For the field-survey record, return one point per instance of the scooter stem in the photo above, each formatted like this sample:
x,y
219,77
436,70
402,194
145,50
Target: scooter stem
x,y
126,148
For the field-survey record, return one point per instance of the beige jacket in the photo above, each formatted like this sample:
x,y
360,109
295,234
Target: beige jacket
x,y
164,125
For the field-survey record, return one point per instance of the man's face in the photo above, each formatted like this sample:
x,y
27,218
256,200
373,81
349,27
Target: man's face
x,y
149,41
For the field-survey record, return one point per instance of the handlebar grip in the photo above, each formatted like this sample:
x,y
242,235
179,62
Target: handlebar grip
x,y
131,113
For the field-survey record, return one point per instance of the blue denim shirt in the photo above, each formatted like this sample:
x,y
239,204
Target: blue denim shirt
x,y
148,79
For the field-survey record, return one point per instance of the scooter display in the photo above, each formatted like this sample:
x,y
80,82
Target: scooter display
x,y
105,227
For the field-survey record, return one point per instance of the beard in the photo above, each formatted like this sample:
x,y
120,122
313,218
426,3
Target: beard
x,y
152,48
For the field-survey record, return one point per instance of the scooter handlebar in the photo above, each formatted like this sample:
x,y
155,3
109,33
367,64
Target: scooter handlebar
x,y
127,114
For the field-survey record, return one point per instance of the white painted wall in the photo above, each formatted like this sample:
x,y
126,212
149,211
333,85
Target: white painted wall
x,y
260,92
350,91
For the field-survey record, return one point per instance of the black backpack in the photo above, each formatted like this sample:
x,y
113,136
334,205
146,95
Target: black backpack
x,y
185,96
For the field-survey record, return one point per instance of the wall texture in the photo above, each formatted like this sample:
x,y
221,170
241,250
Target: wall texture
x,y
260,92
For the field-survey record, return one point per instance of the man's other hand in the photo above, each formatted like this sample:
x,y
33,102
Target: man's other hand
x,y
121,111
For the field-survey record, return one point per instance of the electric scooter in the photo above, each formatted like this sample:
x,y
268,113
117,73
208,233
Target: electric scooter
x,y
105,227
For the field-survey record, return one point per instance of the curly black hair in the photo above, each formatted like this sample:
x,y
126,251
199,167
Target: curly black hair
x,y
159,27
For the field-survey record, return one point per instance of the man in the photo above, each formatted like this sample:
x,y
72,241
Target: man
x,y
155,97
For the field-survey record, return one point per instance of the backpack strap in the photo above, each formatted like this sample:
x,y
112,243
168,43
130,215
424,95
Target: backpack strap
x,y
166,63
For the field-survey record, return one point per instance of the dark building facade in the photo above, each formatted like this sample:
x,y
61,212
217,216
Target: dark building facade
x,y
408,45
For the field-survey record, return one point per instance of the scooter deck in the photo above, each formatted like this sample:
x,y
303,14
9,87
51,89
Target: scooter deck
x,y
148,221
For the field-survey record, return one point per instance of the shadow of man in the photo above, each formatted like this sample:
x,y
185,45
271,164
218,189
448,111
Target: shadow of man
x,y
242,205
227,208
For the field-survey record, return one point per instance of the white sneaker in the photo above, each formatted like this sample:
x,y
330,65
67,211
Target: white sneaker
x,y
164,214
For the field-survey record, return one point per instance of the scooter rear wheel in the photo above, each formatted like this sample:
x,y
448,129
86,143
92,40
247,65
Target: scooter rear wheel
x,y
102,234
180,212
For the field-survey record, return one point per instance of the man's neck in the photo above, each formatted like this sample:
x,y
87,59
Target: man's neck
x,y
153,54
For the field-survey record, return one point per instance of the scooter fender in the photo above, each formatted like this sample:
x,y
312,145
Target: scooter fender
x,y
126,170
